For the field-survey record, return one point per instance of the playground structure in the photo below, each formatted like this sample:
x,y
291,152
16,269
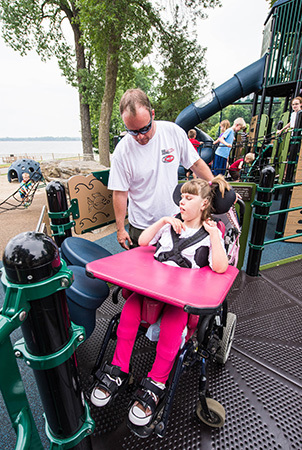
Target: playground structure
x,y
277,74
87,211
15,171
57,289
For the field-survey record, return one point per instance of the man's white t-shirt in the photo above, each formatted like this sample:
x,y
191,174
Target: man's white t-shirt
x,y
150,172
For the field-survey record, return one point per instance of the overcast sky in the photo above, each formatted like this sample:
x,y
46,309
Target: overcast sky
x,y
35,100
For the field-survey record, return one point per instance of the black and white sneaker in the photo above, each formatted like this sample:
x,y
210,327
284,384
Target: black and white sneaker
x,y
109,381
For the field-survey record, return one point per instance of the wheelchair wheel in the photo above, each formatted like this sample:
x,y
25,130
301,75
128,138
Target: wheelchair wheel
x,y
216,410
227,339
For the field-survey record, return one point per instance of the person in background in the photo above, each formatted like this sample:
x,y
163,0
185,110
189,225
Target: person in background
x,y
224,125
192,138
144,167
296,105
235,168
225,144
24,189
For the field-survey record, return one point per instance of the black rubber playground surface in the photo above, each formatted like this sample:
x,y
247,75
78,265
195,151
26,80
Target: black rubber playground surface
x,y
259,387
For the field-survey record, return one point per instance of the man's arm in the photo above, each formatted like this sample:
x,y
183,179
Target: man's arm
x,y
202,170
120,209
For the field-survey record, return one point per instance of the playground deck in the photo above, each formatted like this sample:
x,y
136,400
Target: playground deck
x,y
260,385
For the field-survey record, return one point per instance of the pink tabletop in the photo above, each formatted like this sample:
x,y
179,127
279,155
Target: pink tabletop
x,y
138,271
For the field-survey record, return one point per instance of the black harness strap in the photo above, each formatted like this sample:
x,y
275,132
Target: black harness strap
x,y
179,245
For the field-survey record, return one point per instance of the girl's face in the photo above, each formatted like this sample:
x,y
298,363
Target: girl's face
x,y
222,128
191,207
296,105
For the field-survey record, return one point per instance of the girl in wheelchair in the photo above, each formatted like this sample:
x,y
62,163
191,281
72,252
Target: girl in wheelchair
x,y
193,241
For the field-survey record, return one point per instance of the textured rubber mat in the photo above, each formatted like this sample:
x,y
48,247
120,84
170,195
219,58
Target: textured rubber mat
x,y
259,387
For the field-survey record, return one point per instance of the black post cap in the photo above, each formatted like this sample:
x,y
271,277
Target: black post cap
x,y
31,257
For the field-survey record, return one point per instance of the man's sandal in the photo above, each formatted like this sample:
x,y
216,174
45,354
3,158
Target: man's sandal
x,y
146,400
110,381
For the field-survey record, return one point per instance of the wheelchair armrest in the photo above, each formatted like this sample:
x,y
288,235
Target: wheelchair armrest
x,y
241,211
115,293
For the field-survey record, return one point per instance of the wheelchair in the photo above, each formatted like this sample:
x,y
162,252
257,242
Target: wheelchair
x,y
210,326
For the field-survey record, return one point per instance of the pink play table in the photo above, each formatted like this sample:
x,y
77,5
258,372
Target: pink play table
x,y
192,289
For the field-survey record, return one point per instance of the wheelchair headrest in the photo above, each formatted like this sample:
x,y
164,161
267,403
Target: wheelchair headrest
x,y
220,205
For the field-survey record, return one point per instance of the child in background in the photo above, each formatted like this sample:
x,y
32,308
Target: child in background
x,y
235,168
225,144
224,125
296,104
207,248
25,188
192,138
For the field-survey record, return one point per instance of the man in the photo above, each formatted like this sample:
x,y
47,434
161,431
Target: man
x,y
144,169
225,145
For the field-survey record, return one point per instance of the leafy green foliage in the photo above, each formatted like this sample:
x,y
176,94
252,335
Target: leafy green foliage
x,y
230,113
271,2
36,25
183,72
112,41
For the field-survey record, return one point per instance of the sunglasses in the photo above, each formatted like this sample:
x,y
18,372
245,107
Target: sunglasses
x,y
143,130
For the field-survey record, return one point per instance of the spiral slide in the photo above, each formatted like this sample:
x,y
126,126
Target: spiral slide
x,y
243,83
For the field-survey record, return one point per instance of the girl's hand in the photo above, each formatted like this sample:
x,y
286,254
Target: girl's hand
x,y
210,226
176,224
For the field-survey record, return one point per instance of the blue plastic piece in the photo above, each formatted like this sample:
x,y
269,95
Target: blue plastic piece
x,y
248,80
84,296
20,166
79,252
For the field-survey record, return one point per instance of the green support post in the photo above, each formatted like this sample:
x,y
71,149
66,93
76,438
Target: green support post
x,y
13,392
35,280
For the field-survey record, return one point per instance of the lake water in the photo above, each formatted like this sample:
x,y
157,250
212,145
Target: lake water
x,y
40,150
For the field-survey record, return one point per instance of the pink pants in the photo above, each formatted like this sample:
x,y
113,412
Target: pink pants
x,y
173,322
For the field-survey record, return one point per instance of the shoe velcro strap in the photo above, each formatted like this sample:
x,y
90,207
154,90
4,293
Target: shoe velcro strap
x,y
145,399
106,381
149,386
113,371
107,369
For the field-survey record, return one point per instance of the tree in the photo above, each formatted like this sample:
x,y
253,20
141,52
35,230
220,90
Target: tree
x,y
231,112
118,34
183,69
111,37
271,2
121,33
29,24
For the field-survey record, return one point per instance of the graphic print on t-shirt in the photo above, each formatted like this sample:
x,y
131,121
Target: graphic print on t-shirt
x,y
167,157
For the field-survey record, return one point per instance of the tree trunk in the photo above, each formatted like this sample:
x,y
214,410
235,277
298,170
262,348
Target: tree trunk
x,y
107,101
86,131
84,107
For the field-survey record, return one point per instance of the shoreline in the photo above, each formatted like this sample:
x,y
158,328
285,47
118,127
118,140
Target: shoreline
x,y
7,159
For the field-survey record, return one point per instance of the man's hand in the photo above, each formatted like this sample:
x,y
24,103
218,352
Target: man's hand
x,y
123,237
